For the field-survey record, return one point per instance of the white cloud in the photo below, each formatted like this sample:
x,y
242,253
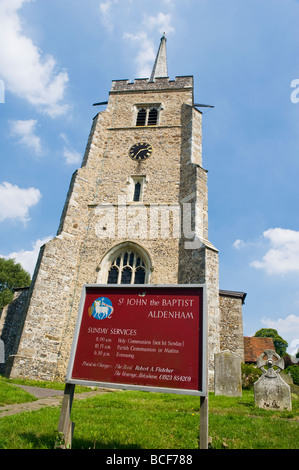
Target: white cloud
x,y
146,55
27,259
288,329
105,9
283,325
71,157
149,26
147,47
283,254
25,130
15,202
238,244
25,70
160,22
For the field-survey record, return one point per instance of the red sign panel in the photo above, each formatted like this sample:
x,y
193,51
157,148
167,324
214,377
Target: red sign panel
x,y
140,337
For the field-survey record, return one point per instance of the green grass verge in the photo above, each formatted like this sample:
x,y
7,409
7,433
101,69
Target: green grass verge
x,y
10,395
6,385
141,420
34,383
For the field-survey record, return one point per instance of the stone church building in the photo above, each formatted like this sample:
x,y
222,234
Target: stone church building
x,y
136,213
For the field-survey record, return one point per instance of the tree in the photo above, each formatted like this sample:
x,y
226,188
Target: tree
x,y
12,275
293,371
279,343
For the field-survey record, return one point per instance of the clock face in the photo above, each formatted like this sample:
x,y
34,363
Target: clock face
x,y
140,151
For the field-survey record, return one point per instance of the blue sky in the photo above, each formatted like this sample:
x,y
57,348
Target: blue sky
x,y
57,58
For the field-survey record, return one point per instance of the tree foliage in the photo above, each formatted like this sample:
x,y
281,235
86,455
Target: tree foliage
x,y
294,373
12,275
279,343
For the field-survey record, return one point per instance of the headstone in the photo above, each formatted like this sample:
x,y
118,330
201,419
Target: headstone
x,y
227,377
271,391
287,378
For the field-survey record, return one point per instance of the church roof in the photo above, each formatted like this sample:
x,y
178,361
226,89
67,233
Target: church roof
x,y
235,294
160,66
255,346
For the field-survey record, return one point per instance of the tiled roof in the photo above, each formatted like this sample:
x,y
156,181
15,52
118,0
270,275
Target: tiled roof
x,y
254,347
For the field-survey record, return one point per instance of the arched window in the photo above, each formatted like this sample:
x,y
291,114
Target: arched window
x,y
125,263
148,115
127,267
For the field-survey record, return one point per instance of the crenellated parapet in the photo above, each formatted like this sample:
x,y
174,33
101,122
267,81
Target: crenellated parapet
x,y
144,84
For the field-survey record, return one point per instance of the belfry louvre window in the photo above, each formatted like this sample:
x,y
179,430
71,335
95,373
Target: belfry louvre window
x,y
152,117
141,117
147,116
127,268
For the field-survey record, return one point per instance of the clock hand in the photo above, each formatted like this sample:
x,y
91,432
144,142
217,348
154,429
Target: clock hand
x,y
141,150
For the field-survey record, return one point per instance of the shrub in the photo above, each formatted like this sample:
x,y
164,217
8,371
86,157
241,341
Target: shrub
x,y
250,374
294,372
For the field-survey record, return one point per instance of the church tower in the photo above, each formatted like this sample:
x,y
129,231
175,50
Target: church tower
x,y
136,213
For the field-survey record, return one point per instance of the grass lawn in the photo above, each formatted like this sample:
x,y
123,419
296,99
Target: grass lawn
x,y
10,395
142,420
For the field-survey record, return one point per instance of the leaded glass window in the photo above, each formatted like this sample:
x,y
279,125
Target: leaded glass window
x,y
127,268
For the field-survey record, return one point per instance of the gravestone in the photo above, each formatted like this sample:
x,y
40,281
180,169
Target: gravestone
x,y
227,378
271,391
287,378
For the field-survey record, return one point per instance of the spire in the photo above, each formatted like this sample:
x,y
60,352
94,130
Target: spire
x,y
160,65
